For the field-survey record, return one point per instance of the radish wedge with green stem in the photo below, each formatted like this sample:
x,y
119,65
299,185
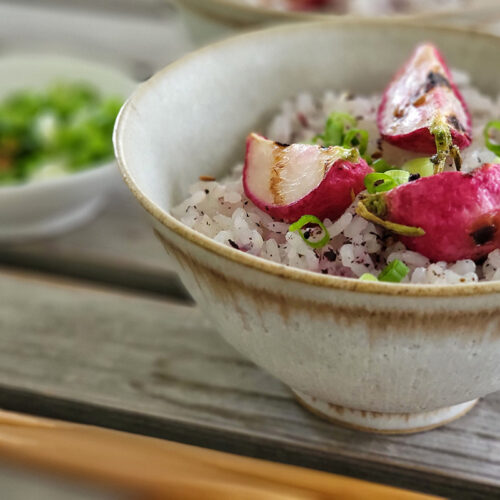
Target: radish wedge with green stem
x,y
288,181
422,92
446,217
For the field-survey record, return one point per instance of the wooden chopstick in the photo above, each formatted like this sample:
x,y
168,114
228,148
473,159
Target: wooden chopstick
x,y
154,468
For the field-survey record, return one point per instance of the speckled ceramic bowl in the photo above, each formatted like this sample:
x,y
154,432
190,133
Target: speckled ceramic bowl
x,y
212,19
51,206
375,356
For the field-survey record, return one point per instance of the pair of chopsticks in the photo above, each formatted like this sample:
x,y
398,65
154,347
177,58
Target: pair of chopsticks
x,y
155,469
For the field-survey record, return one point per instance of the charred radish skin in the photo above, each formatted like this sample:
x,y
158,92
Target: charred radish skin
x,y
421,93
446,217
288,181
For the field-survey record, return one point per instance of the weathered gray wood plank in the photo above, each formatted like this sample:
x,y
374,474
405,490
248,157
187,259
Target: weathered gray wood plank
x,y
150,366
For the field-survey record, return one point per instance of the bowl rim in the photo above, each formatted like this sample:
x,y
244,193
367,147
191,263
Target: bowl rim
x,y
25,57
60,181
257,263
276,14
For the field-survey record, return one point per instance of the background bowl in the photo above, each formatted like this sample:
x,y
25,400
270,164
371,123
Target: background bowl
x,y
208,20
51,206
384,357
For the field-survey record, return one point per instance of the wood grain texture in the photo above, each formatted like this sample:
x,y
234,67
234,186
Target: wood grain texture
x,y
156,368
155,469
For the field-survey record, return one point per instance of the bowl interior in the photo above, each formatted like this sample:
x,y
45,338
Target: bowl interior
x,y
192,118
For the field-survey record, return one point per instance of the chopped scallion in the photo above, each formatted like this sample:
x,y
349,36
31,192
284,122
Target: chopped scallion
x,y
311,219
422,166
381,166
394,272
377,182
399,176
488,136
334,129
368,277
340,131
356,138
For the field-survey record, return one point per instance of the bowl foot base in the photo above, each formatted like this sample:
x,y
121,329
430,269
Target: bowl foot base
x,y
383,423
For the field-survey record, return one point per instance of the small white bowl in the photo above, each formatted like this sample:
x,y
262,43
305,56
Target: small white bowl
x,y
208,20
376,356
48,207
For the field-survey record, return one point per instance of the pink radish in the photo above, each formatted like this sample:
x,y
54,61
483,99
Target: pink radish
x,y
422,92
307,4
288,181
448,216
297,4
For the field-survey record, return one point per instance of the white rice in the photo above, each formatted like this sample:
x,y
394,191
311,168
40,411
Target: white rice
x,y
220,210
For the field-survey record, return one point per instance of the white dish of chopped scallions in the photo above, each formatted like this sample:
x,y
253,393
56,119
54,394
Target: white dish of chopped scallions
x,y
56,157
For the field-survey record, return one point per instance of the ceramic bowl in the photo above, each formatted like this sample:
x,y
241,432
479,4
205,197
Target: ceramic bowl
x,y
375,356
44,208
208,20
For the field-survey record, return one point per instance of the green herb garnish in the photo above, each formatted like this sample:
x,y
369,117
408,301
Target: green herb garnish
x,y
494,147
421,166
395,272
381,166
356,138
377,183
340,130
63,129
304,221
335,129
400,176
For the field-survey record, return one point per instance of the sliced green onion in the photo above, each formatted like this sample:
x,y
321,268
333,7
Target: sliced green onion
x,y
492,146
340,131
422,166
356,138
337,117
310,219
368,277
381,166
377,183
395,272
334,128
399,176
